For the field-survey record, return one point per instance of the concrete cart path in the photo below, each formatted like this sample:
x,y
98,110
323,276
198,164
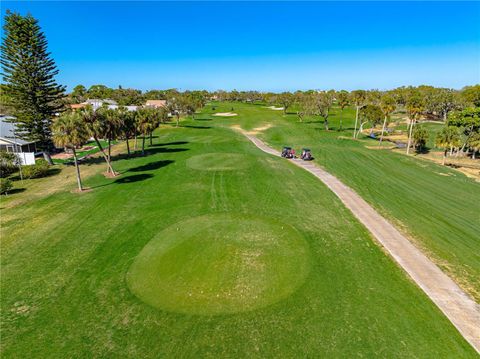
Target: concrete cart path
x,y
459,308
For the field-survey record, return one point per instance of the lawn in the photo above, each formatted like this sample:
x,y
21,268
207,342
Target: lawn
x,y
207,247
436,206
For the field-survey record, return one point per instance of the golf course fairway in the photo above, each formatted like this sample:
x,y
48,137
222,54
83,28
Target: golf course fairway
x,y
185,256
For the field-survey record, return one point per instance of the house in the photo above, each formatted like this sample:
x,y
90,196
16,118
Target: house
x,y
96,104
10,142
156,103
77,106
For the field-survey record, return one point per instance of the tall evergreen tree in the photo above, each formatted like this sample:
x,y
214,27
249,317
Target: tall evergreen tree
x,y
29,73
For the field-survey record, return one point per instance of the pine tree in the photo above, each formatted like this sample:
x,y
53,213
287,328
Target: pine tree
x,y
29,73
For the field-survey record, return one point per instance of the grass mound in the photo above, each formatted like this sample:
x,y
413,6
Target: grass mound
x,y
218,162
218,264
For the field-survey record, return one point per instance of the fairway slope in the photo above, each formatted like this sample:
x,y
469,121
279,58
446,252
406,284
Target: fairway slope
x,y
462,311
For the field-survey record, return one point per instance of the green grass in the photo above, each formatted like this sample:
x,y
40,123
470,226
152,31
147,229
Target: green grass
x,y
436,205
75,267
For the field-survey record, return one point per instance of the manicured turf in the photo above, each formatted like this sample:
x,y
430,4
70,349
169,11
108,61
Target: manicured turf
x,y
216,264
75,268
437,206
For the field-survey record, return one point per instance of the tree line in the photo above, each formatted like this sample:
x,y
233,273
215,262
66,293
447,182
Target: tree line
x,y
457,109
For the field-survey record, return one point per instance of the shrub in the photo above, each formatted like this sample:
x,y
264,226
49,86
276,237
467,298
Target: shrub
x,y
5,185
8,163
39,169
420,137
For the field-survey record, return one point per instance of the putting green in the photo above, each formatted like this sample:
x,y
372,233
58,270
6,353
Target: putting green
x,y
220,263
218,162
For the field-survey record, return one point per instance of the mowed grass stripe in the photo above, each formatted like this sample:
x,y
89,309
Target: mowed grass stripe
x,y
65,290
436,206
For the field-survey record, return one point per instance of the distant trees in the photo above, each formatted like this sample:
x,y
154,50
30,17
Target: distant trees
x,y
448,138
474,143
323,103
420,138
471,94
306,105
285,99
29,74
442,101
343,100
468,123
69,131
99,92
126,97
370,113
79,94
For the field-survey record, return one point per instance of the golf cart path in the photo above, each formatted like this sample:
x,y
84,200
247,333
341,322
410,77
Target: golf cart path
x,y
459,308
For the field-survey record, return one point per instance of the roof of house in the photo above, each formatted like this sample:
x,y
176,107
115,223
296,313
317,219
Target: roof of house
x,y
156,103
96,100
7,132
75,106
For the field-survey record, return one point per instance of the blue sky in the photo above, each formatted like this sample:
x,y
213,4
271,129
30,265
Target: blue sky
x,y
261,45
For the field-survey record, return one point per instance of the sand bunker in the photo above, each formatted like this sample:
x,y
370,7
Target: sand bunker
x,y
275,108
225,114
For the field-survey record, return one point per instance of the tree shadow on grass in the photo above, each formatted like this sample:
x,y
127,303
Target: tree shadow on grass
x,y
151,166
15,191
197,127
133,178
170,143
202,119
422,151
155,150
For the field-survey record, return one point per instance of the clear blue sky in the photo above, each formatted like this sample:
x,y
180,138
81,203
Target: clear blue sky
x,y
263,46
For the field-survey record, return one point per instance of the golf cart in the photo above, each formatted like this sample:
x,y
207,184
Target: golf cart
x,y
306,154
287,152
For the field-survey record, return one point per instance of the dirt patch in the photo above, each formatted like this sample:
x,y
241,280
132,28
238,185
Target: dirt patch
x,y
346,138
382,147
62,156
110,174
254,131
225,114
85,190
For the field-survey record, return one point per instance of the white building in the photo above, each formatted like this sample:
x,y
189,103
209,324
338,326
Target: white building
x,y
10,142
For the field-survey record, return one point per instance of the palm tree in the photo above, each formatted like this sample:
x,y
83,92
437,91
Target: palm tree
x,y
359,97
145,123
387,104
95,124
415,105
127,125
69,131
112,127
447,138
